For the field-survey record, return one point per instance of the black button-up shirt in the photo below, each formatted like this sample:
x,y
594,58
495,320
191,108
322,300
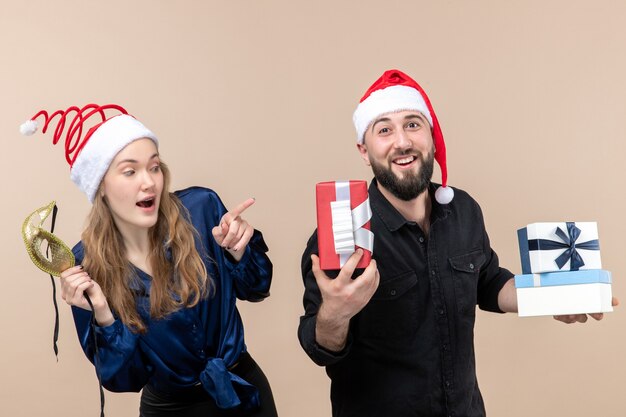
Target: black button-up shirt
x,y
410,351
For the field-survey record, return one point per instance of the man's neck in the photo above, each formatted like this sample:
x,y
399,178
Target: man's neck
x,y
416,210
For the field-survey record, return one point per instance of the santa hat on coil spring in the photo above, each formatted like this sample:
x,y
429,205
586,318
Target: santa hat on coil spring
x,y
89,156
395,91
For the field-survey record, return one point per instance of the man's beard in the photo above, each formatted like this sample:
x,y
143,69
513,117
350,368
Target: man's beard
x,y
412,185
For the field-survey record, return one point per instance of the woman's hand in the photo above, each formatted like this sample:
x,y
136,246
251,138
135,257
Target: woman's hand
x,y
75,283
233,233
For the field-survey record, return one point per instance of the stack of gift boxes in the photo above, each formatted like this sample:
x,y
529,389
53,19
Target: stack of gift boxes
x,y
561,270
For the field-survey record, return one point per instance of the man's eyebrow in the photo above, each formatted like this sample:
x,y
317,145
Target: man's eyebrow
x,y
382,119
415,116
134,161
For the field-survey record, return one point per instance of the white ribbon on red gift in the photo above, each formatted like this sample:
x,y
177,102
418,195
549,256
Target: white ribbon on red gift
x,y
348,230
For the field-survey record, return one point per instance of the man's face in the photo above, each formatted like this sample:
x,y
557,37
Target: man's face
x,y
399,148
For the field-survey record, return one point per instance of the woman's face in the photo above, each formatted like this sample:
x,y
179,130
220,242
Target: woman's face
x,y
133,184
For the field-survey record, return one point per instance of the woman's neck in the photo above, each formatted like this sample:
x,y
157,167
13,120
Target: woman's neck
x,y
137,245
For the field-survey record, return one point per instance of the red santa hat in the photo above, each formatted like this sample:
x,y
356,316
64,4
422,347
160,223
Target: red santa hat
x,y
393,92
90,155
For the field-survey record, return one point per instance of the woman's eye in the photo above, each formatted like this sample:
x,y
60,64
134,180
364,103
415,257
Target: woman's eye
x,y
128,173
156,168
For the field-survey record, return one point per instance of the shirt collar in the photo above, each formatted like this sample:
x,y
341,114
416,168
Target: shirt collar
x,y
391,217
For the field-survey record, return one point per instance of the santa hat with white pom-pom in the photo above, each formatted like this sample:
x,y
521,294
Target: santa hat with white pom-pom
x,y
395,91
90,155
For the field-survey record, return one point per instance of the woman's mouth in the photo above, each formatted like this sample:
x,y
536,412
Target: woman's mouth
x,y
147,203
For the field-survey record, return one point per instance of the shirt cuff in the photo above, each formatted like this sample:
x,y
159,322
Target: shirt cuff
x,y
232,265
331,355
110,332
320,355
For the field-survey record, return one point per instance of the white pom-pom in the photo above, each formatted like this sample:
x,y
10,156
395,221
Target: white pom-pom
x,y
29,127
444,195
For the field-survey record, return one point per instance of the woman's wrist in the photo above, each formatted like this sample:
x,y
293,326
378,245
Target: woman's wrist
x,y
235,256
103,314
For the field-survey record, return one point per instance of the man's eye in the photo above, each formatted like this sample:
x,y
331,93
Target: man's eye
x,y
384,130
413,125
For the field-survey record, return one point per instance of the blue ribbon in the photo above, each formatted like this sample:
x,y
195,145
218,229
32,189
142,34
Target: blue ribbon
x,y
569,244
227,389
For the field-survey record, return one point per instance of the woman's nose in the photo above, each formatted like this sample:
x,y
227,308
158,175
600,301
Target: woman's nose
x,y
148,181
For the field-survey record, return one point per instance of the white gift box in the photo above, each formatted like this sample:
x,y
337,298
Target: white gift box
x,y
559,246
559,293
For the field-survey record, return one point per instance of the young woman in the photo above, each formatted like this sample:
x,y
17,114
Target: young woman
x,y
162,271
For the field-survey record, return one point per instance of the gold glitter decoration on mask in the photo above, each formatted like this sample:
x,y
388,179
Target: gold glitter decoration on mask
x,y
34,235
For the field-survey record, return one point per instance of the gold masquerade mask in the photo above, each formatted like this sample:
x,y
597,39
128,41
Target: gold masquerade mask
x,y
34,236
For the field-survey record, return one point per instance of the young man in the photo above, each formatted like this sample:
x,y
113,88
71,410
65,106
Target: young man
x,y
397,338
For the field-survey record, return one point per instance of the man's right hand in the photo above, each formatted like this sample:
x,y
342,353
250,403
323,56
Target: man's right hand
x,y
342,298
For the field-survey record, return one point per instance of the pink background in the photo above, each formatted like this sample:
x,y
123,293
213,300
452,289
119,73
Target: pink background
x,y
255,98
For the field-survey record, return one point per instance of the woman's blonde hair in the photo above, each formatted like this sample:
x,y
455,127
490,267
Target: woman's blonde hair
x,y
179,281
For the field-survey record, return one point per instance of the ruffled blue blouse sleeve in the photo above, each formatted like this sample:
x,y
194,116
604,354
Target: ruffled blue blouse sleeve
x,y
252,275
119,361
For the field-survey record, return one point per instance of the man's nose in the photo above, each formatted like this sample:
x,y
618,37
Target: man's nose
x,y
402,140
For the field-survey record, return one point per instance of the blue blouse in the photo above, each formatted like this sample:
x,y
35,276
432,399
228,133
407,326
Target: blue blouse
x,y
193,345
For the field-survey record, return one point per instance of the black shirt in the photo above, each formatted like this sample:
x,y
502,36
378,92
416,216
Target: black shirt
x,y
410,351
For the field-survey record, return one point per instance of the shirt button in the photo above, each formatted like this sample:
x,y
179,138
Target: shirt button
x,y
392,292
445,347
441,312
432,272
471,266
448,384
421,239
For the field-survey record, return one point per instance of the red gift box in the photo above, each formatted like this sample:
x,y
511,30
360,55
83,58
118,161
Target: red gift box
x,y
343,223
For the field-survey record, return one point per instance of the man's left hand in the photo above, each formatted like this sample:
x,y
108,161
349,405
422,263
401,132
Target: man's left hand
x,y
582,318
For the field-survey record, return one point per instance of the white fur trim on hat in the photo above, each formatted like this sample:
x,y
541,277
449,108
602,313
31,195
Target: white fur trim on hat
x,y
391,99
104,144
